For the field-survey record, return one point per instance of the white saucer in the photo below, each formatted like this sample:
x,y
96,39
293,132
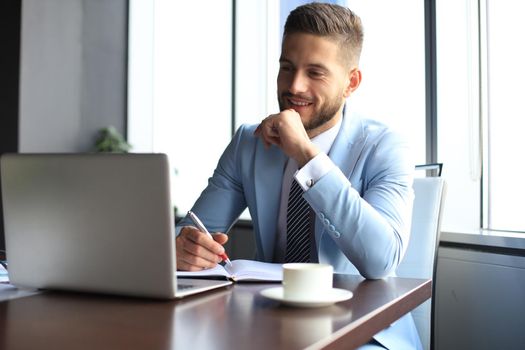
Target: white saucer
x,y
333,296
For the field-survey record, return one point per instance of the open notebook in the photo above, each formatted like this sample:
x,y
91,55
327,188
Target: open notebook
x,y
241,270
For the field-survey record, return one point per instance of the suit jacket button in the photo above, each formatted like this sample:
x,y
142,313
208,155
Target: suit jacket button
x,y
326,222
321,216
337,234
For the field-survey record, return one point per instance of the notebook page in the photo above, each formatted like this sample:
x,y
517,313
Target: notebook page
x,y
216,271
255,270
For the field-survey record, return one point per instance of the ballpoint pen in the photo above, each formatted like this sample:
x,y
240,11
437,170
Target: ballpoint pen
x,y
202,228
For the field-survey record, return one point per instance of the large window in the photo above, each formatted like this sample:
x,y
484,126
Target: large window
x,y
481,114
459,138
505,77
180,87
393,65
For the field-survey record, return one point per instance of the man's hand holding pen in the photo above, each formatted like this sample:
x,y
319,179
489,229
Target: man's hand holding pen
x,y
197,249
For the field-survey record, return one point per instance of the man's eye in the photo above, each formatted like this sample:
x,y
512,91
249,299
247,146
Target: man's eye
x,y
316,74
285,69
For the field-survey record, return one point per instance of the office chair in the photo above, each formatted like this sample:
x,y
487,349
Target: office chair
x,y
421,255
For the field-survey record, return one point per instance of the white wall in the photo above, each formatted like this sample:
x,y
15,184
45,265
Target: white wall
x,y
72,72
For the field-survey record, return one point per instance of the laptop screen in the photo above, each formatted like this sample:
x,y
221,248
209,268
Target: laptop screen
x,y
91,222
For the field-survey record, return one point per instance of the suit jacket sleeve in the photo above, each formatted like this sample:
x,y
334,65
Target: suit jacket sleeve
x,y
367,213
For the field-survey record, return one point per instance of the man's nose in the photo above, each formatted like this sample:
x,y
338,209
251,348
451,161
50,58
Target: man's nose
x,y
299,83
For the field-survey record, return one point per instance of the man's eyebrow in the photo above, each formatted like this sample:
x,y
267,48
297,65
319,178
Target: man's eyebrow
x,y
318,66
311,65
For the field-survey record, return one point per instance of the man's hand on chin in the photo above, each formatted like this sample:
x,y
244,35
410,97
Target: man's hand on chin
x,y
286,131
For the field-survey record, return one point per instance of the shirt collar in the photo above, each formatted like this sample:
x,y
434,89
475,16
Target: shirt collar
x,y
325,140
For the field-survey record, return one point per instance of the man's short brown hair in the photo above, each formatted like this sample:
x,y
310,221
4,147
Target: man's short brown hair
x,y
333,21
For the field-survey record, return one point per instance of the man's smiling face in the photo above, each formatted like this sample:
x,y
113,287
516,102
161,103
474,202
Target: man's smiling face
x,y
313,80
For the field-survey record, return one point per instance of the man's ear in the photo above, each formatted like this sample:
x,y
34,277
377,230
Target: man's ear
x,y
353,82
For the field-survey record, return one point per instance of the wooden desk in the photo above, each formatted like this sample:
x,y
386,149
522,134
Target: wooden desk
x,y
236,317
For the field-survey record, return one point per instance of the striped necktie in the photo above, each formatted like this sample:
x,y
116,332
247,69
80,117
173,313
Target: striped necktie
x,y
297,226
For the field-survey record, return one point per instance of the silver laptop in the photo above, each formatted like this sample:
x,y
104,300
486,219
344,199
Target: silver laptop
x,y
93,223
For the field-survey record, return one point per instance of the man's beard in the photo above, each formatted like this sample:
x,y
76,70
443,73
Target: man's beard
x,y
323,116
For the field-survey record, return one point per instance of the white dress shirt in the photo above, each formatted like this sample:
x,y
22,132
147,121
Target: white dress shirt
x,y
307,176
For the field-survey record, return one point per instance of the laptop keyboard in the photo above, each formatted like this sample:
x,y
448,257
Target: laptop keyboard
x,y
183,286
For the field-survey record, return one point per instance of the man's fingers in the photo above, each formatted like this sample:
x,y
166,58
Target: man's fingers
x,y
268,132
203,247
189,262
196,251
220,238
202,239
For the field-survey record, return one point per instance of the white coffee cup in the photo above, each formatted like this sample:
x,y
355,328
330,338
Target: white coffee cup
x,y
307,281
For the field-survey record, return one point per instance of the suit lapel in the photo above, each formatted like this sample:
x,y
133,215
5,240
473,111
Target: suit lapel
x,y
348,144
268,175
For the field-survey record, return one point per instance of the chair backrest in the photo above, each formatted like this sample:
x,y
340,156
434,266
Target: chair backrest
x,y
420,257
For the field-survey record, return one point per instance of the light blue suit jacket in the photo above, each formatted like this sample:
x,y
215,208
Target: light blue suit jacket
x,y
362,206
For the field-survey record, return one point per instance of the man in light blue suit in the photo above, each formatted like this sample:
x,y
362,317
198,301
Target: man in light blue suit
x,y
355,174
